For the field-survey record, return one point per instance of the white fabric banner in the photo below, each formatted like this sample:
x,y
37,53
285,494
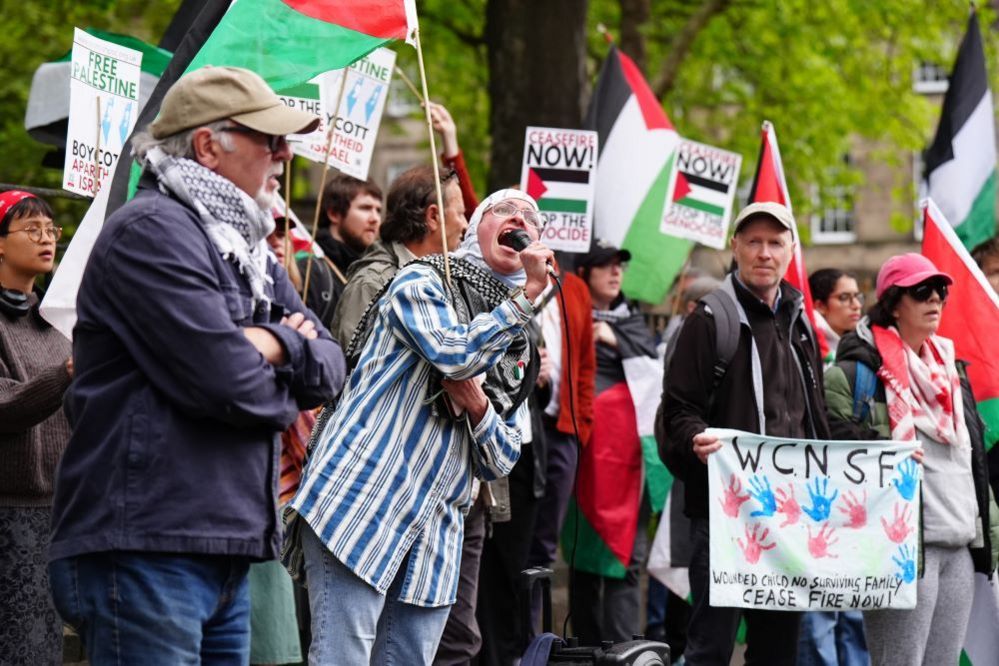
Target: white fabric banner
x,y
813,525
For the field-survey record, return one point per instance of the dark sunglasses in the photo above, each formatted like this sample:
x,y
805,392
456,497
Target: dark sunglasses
x,y
923,291
274,141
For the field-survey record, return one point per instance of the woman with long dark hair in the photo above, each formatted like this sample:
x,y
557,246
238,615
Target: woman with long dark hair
x,y
35,370
920,392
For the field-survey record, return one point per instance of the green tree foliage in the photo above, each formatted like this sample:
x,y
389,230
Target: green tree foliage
x,y
37,32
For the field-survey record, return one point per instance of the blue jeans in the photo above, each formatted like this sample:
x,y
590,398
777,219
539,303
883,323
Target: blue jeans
x,y
155,608
831,638
354,624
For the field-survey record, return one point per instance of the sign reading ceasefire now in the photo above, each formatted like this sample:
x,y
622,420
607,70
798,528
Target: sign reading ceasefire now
x,y
700,193
813,525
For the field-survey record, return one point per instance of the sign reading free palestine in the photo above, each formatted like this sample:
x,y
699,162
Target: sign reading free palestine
x,y
559,171
700,193
360,114
104,105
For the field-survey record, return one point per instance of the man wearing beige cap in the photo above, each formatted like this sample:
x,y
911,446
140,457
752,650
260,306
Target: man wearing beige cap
x,y
772,385
192,353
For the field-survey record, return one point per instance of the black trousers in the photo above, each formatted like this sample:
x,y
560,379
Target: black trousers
x,y
771,637
504,556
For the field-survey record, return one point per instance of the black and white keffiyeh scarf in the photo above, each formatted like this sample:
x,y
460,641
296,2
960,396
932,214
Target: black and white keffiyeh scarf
x,y
237,225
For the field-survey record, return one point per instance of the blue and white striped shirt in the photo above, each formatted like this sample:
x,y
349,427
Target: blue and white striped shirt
x,y
388,477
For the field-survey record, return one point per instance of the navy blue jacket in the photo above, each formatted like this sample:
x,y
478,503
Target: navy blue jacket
x,y
175,414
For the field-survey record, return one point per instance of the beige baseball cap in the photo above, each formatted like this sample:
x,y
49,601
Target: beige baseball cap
x,y
771,209
210,93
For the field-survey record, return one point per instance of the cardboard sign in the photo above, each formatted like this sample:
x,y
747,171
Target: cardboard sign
x,y
359,118
700,194
559,171
104,104
813,525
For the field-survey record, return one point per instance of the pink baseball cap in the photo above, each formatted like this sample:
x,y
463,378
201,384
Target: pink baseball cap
x,y
907,270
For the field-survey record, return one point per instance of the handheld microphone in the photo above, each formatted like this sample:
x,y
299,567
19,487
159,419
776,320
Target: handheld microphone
x,y
518,239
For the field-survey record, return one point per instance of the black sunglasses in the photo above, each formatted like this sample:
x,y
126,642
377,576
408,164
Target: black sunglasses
x,y
924,290
274,141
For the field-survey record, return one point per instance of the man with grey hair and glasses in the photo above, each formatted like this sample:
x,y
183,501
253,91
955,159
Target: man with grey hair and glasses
x,y
192,353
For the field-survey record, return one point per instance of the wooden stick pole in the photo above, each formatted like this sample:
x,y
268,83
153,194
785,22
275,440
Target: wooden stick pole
x,y
409,84
287,215
322,180
433,161
97,149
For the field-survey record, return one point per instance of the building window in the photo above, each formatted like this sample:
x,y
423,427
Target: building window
x,y
833,220
920,190
930,79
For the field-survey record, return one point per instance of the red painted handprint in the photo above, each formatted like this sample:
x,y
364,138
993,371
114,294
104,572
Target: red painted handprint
x,y
899,528
788,505
856,510
733,500
818,545
754,545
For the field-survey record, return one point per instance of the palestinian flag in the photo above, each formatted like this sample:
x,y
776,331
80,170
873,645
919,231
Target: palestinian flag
x,y
621,460
288,42
971,300
769,184
637,142
559,190
961,163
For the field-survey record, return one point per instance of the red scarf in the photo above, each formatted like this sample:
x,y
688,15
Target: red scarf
x,y
923,390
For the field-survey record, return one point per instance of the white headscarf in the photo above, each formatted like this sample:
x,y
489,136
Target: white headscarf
x,y
470,249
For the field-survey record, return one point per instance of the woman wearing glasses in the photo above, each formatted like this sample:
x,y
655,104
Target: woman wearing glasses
x,y
920,391
838,304
35,370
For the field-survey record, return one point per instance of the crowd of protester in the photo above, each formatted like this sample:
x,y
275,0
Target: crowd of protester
x,y
224,471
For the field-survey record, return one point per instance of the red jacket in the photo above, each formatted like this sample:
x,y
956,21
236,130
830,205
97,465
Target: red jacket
x,y
579,312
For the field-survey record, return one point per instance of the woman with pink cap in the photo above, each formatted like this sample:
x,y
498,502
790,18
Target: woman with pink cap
x,y
917,389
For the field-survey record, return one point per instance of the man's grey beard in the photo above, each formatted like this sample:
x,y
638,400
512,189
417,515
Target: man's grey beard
x,y
265,199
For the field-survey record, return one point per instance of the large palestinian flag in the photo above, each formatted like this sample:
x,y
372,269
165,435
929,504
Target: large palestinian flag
x,y
621,460
287,42
961,162
637,141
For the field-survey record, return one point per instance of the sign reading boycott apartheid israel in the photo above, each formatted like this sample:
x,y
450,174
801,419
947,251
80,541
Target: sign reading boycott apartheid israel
x,y
560,173
360,114
103,107
700,193
813,525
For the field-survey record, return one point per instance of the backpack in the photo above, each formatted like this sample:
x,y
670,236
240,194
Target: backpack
x,y
723,310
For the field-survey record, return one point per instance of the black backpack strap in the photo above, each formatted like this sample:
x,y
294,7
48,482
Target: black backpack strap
x,y
726,315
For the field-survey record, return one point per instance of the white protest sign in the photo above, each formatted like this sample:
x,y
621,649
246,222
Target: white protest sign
x,y
700,194
559,171
308,97
360,114
813,525
104,104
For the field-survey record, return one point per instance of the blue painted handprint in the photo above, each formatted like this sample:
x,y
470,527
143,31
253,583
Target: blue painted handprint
x,y
821,505
906,565
761,492
908,477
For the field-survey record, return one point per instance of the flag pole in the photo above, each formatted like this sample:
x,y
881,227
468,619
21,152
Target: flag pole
x,y
322,181
409,84
287,215
97,149
433,152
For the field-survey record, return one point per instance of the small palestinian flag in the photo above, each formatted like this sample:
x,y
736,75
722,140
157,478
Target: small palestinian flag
x,y
559,190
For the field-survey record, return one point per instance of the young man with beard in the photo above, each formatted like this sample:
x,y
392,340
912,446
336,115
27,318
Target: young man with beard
x,y
192,352
352,216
